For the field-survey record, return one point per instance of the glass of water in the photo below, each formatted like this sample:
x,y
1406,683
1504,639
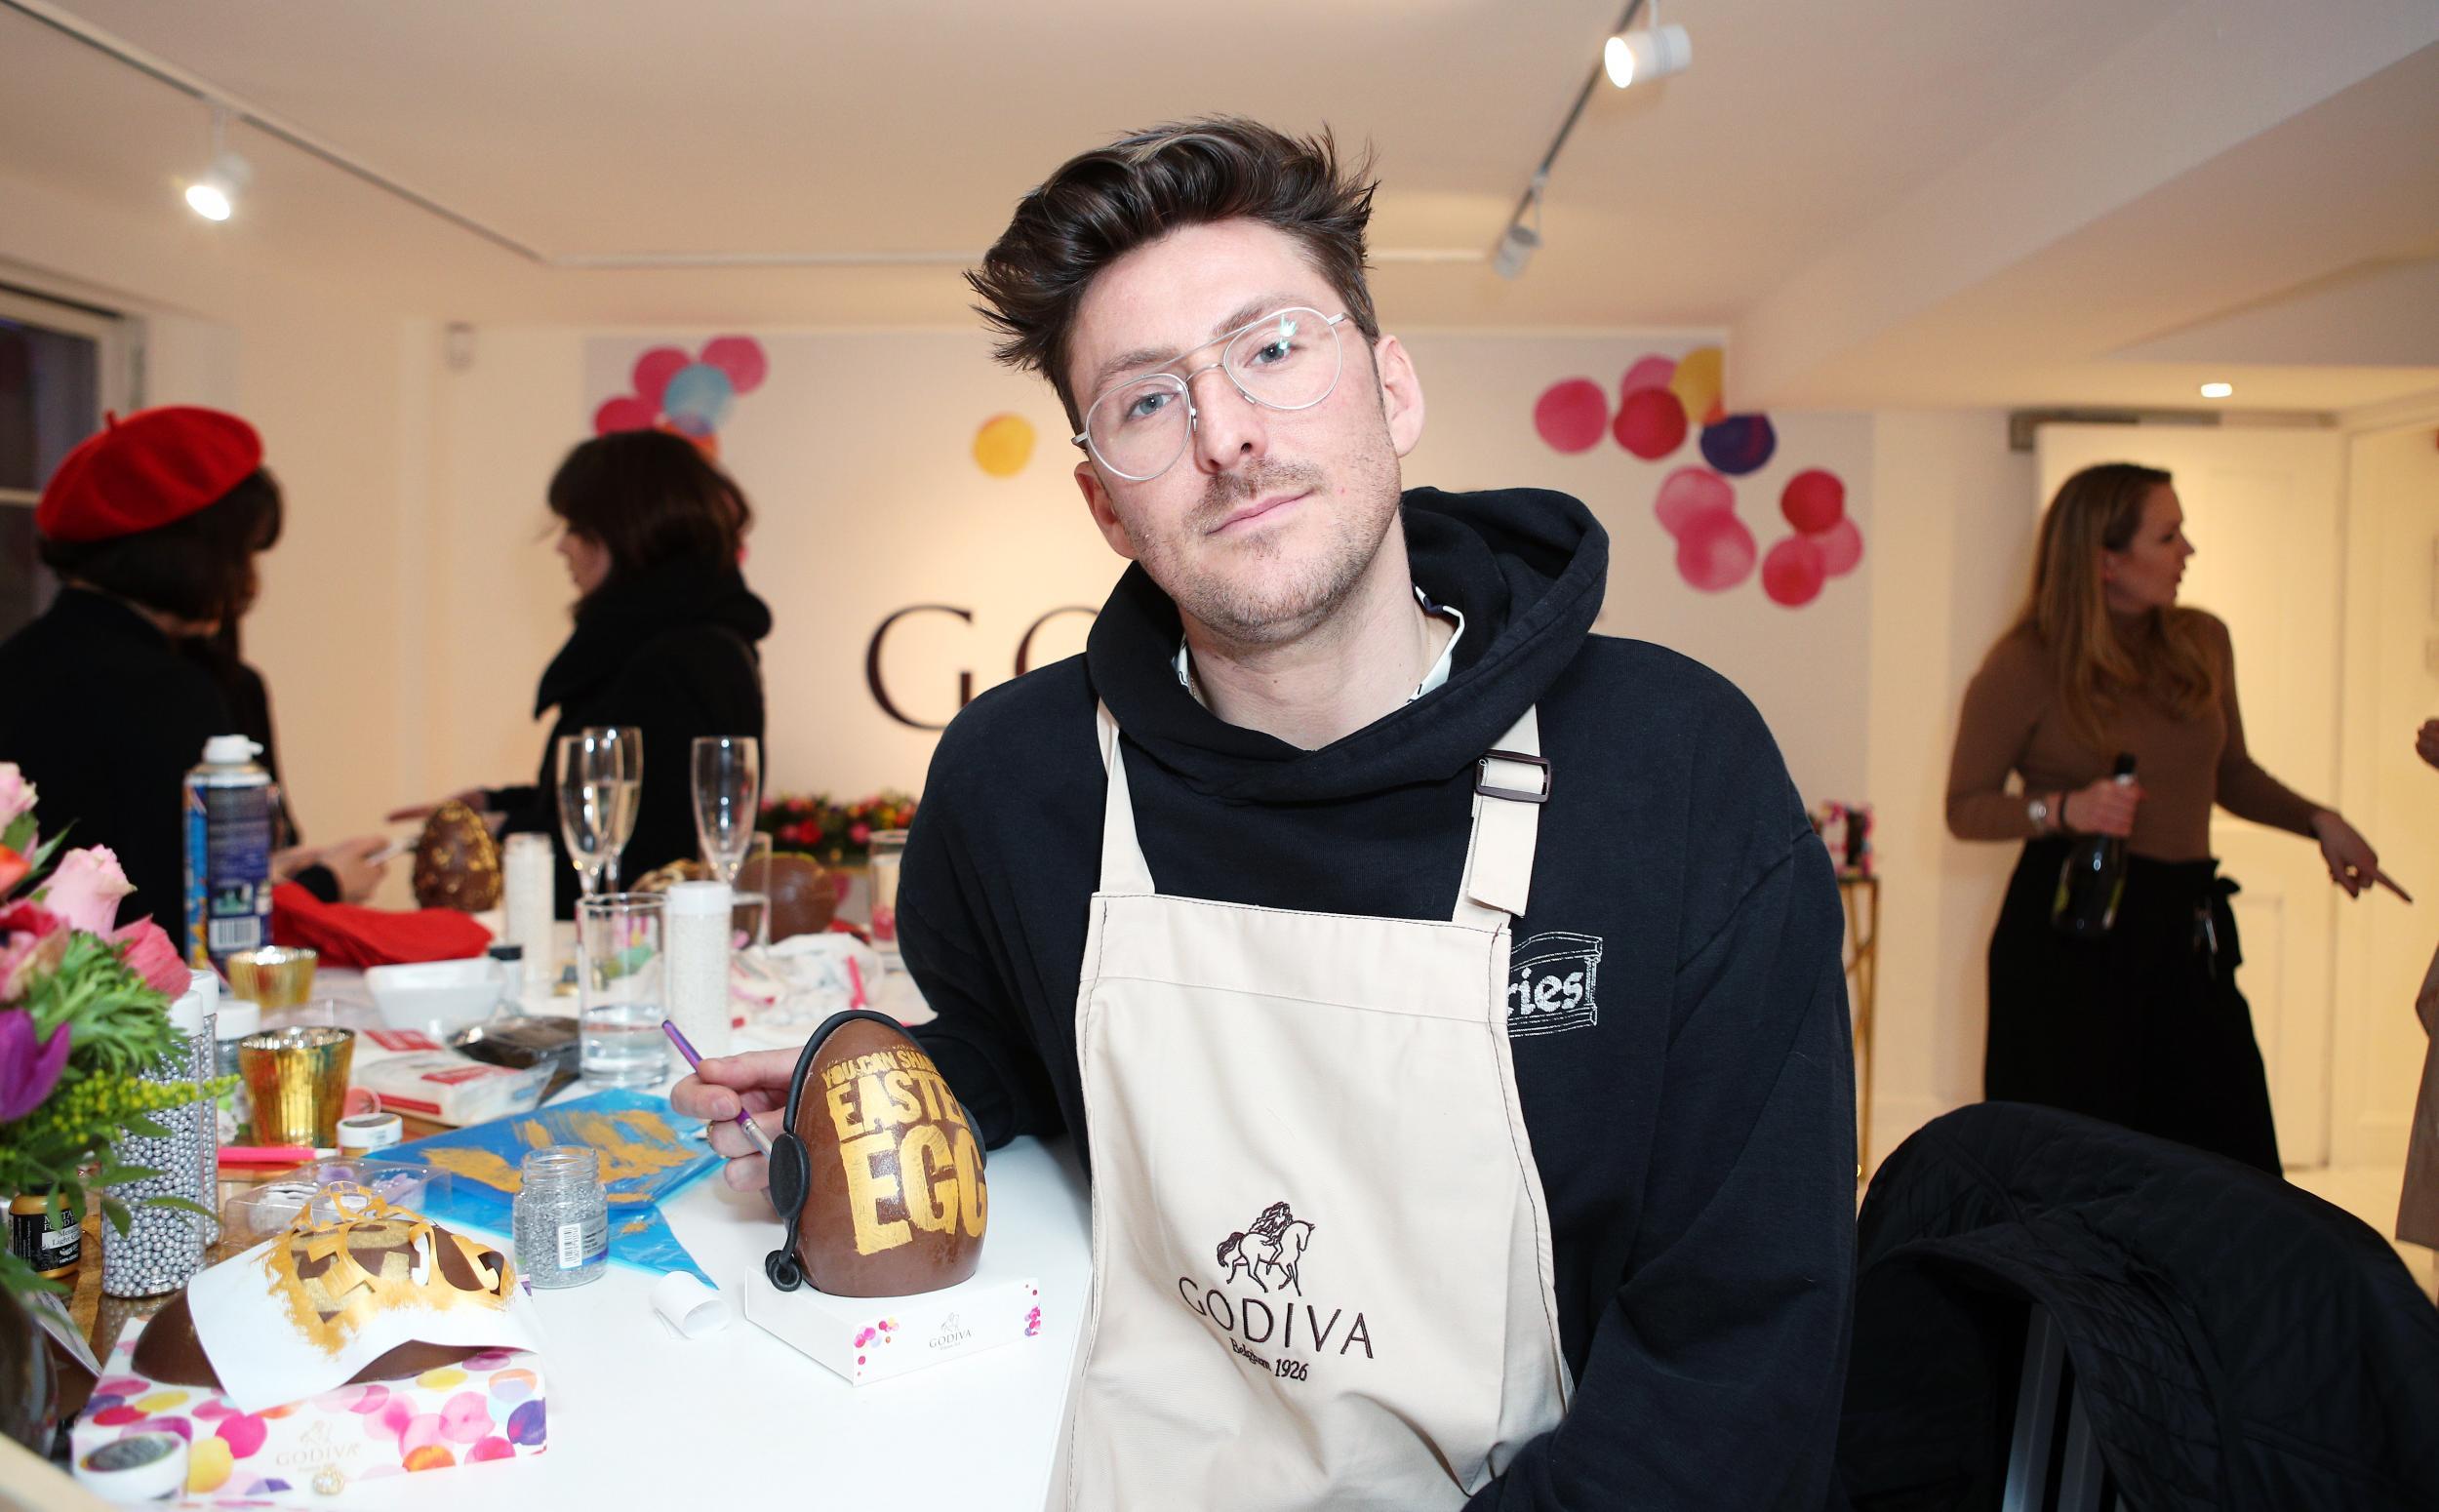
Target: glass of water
x,y
619,938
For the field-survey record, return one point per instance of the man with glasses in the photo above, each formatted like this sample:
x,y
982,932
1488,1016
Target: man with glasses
x,y
1448,1002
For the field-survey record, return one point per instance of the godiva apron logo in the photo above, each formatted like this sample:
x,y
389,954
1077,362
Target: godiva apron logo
x,y
1269,1254
1551,979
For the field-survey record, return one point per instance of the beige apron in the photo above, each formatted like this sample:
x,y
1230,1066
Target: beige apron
x,y
1321,1259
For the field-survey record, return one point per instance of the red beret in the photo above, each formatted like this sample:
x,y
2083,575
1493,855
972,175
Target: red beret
x,y
145,471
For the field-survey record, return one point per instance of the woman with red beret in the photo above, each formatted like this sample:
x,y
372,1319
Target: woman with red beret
x,y
151,526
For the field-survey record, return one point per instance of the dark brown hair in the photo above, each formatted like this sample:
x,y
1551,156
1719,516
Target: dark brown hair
x,y
1103,204
199,568
648,496
2100,509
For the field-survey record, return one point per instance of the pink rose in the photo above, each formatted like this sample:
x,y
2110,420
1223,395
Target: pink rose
x,y
16,795
151,955
32,942
86,890
860,833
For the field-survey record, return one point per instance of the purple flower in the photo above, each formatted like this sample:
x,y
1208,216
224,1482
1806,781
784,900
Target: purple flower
x,y
28,1068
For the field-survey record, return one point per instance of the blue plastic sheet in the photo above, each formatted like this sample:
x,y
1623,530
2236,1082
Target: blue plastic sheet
x,y
648,1153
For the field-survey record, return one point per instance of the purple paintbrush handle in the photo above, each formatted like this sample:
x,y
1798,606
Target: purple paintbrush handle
x,y
744,1120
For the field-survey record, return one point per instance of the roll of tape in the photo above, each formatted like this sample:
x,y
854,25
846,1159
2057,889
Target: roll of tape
x,y
694,1309
141,1467
362,1133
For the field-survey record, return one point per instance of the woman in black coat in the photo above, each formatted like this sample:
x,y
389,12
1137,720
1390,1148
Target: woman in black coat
x,y
152,525
664,638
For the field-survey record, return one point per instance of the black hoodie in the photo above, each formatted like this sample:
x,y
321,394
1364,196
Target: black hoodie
x,y
669,649
1677,1011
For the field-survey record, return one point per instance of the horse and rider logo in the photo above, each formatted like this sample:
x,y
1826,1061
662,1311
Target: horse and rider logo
x,y
1274,1245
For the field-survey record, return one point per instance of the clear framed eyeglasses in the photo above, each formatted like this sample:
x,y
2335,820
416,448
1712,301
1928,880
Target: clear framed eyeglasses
x,y
1287,360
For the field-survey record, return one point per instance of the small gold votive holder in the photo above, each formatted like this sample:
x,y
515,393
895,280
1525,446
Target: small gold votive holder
x,y
297,1080
273,976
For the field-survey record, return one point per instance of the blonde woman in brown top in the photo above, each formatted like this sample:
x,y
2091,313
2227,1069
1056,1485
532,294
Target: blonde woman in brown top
x,y
2142,1027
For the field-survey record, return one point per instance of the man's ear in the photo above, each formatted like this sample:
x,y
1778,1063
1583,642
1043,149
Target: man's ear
x,y
1104,514
1400,393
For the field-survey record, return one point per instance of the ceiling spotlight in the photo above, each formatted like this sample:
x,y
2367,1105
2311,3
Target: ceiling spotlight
x,y
1651,53
1519,242
214,196
2217,390
1515,250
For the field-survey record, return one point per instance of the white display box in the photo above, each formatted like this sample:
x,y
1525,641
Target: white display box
x,y
870,1338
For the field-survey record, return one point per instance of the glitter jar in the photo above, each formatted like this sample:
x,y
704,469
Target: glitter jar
x,y
163,1246
562,1219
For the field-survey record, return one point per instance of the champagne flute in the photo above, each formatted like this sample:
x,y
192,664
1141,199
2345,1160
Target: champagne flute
x,y
728,794
629,740
597,801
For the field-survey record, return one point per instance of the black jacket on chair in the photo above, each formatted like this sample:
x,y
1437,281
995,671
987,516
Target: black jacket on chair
x,y
670,650
2239,1343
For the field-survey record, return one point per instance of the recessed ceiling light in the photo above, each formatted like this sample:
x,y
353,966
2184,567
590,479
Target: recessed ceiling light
x,y
2217,390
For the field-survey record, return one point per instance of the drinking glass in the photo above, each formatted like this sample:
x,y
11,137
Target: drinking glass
x,y
889,852
728,798
629,740
619,978
599,792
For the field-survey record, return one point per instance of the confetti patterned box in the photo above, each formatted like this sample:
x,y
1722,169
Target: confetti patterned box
x,y
489,1407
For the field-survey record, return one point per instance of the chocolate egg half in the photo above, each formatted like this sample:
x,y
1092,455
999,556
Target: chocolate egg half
x,y
895,1198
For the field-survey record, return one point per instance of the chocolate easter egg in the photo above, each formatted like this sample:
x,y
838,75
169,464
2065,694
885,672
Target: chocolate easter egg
x,y
456,862
803,892
893,1195
376,1261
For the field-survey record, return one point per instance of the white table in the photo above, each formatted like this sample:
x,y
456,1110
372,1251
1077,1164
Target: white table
x,y
641,1417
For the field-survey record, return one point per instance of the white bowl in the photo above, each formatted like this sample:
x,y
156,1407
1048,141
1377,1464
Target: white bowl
x,y
437,997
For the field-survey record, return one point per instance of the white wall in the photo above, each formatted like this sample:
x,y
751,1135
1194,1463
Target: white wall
x,y
2392,685
1804,668
1956,512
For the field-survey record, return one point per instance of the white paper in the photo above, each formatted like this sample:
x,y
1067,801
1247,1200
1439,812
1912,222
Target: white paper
x,y
247,1313
50,1309
694,1309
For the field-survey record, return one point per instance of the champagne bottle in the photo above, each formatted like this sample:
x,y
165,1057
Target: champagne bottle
x,y
2092,881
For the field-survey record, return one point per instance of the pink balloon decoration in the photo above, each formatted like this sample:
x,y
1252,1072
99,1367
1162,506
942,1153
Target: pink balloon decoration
x,y
1650,423
624,413
653,372
1793,574
1715,552
1689,493
741,358
1570,415
1841,549
1813,500
1649,372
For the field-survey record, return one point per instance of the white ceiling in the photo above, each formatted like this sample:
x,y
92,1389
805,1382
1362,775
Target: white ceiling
x,y
1920,200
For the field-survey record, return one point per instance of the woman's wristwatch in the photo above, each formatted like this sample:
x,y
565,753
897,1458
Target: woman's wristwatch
x,y
2047,815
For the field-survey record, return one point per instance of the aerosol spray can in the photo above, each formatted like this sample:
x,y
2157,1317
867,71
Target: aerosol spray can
x,y
230,807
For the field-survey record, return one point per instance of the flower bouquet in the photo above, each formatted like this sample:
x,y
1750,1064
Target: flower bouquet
x,y
82,1016
837,834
